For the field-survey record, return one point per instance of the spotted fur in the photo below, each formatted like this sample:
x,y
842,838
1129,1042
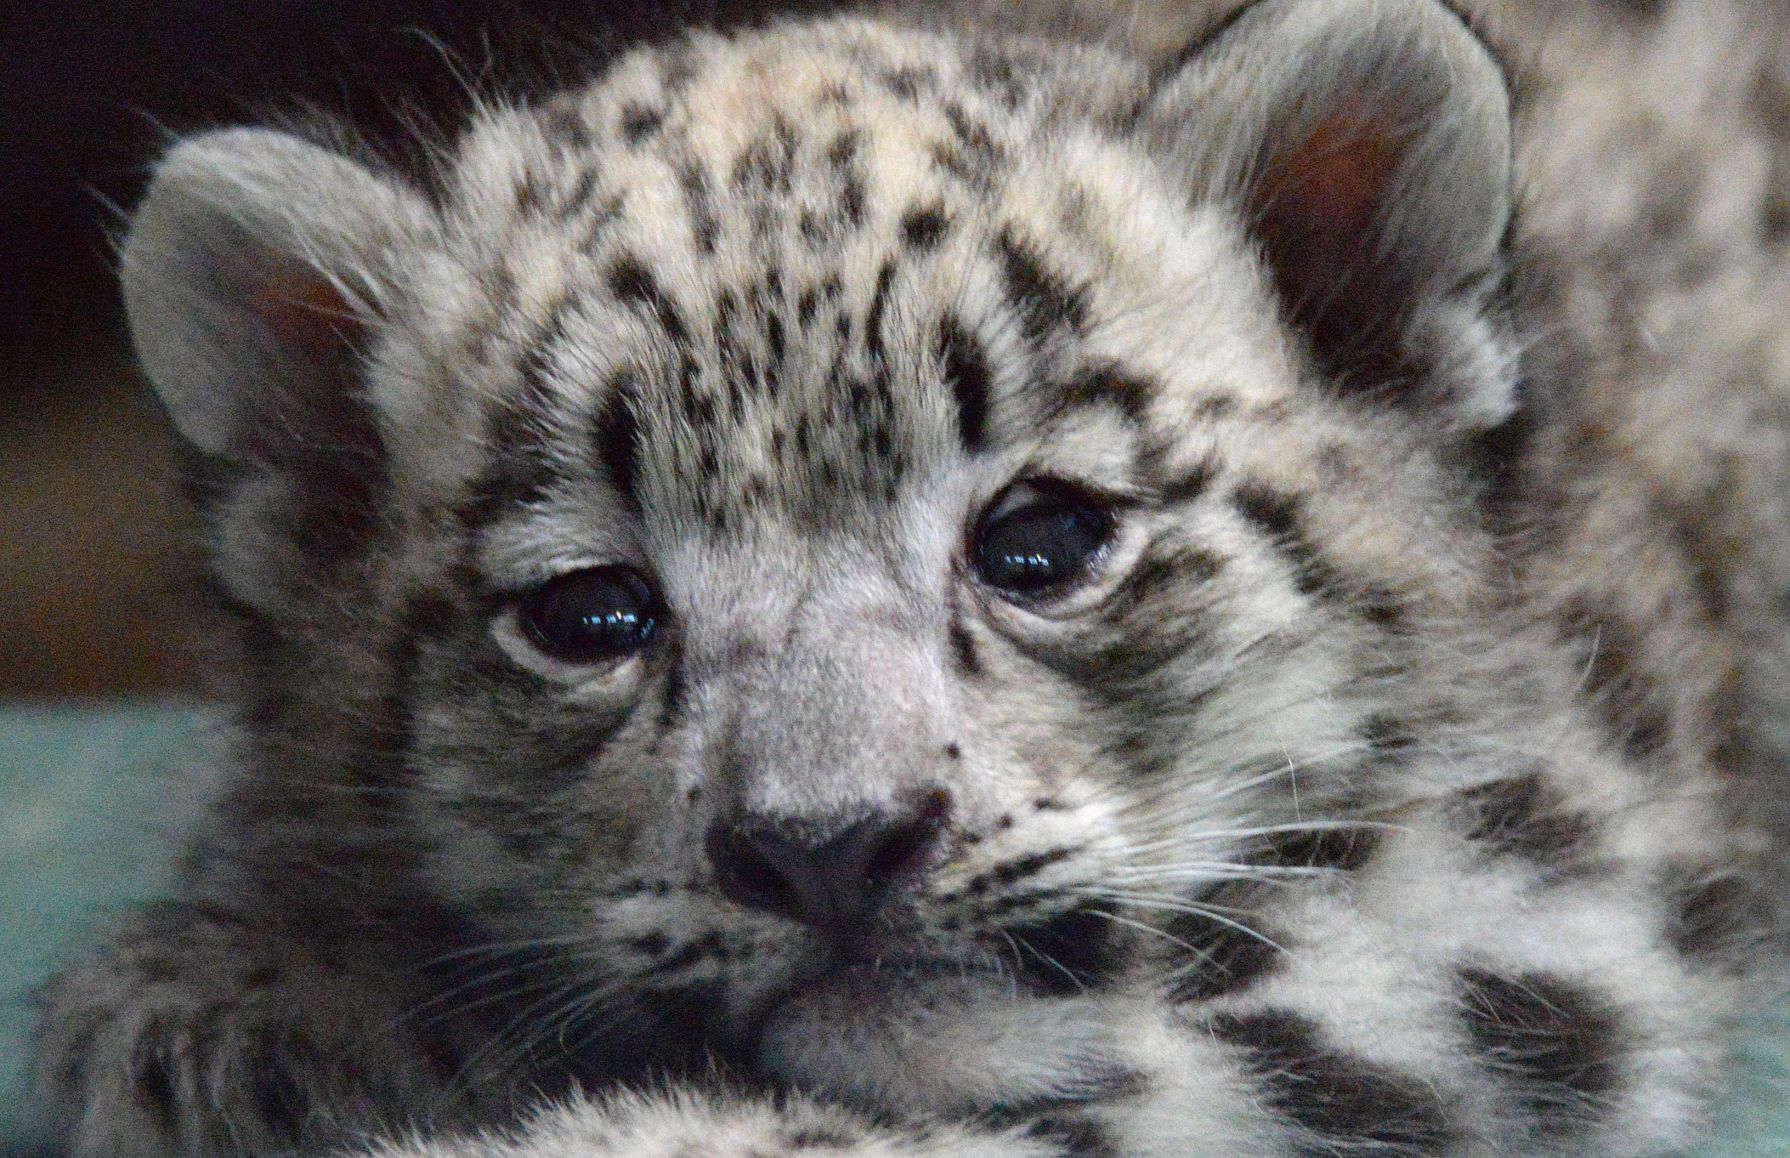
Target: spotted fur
x,y
1386,784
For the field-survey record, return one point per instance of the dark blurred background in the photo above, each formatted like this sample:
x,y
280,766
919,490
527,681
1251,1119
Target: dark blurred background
x,y
94,550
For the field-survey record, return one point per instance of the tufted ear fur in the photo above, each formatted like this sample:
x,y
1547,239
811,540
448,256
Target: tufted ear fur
x,y
1367,144
251,272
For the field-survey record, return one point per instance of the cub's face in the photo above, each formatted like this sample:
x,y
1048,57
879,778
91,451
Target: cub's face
x,y
858,516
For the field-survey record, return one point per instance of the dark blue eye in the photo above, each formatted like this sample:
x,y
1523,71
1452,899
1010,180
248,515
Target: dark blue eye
x,y
1038,538
588,616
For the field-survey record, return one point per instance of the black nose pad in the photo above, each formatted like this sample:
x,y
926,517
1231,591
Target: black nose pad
x,y
831,879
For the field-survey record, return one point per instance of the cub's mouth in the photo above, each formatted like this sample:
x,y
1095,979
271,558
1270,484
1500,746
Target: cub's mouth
x,y
893,981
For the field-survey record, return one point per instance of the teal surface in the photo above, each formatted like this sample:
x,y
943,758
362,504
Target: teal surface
x,y
91,801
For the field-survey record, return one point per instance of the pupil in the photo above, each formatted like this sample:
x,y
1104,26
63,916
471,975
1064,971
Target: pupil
x,y
1042,545
586,616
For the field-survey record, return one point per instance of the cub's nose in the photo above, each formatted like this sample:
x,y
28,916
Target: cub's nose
x,y
830,877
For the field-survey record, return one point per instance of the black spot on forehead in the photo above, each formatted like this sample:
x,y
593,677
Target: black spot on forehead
x,y
970,378
699,202
617,436
923,227
631,281
520,429
1047,301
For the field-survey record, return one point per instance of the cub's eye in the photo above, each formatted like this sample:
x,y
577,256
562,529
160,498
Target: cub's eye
x,y
1039,537
588,616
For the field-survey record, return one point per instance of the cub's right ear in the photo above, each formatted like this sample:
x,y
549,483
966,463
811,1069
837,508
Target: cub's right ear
x,y
1367,147
251,270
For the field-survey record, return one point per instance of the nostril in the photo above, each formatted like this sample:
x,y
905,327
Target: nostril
x,y
906,849
745,874
826,875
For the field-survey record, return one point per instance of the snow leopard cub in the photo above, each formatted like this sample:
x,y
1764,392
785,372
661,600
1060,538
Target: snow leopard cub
x,y
847,590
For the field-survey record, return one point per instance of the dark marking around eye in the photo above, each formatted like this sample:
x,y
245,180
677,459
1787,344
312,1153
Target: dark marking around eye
x,y
1047,302
708,947
635,284
1526,817
1559,1048
1352,1105
963,649
671,706
967,373
1279,517
1110,385
1164,570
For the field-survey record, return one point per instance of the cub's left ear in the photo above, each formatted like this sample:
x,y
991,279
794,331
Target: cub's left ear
x,y
1367,144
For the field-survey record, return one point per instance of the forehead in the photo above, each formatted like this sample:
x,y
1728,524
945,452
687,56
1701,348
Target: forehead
x,y
792,270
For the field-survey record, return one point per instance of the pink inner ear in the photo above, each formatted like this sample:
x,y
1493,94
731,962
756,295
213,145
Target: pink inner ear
x,y
1334,181
304,312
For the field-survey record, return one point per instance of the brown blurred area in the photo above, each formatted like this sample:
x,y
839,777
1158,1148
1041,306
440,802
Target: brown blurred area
x,y
95,550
